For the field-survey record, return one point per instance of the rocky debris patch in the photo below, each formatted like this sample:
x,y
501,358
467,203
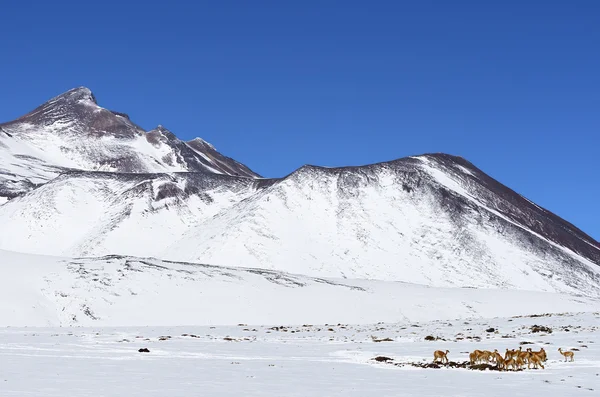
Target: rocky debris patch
x,y
541,328
438,365
375,339
281,329
433,338
382,359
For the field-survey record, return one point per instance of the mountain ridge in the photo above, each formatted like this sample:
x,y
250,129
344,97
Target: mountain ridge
x,y
71,131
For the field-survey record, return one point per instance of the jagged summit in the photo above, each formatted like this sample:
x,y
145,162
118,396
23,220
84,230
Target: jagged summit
x,y
78,94
75,112
200,142
72,132
161,131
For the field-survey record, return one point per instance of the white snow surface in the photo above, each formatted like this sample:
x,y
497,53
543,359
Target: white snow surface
x,y
20,161
311,360
54,291
81,216
61,145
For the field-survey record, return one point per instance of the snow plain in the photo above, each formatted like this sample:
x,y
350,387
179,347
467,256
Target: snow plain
x,y
301,360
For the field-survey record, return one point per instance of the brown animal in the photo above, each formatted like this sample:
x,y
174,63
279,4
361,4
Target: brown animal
x,y
440,355
510,354
500,362
473,358
486,356
498,359
476,356
567,354
510,363
535,360
541,354
524,355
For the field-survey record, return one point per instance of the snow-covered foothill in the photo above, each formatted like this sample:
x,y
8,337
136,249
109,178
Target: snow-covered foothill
x,y
116,291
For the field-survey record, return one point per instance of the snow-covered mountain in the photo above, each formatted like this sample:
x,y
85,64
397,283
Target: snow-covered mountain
x,y
86,181
71,132
433,220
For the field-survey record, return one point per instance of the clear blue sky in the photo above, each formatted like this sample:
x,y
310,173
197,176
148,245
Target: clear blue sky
x,y
513,86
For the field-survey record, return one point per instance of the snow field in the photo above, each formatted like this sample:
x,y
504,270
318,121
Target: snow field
x,y
279,359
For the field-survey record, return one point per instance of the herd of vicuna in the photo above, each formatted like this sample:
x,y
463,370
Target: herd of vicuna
x,y
513,359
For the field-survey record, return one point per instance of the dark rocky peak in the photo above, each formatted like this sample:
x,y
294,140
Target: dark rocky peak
x,y
160,135
76,118
121,114
198,154
449,160
78,94
77,112
225,164
200,144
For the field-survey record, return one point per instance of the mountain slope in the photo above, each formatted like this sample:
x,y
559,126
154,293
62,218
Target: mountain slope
x,y
415,220
71,132
94,213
